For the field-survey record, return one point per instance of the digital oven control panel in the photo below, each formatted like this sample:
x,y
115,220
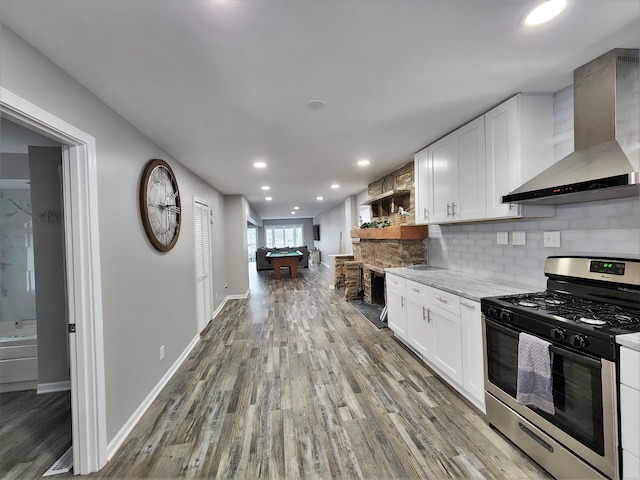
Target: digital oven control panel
x,y
623,271
610,268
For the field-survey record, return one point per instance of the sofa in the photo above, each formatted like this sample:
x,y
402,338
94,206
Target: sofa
x,y
263,264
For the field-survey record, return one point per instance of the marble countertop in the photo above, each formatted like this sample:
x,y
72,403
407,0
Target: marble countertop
x,y
462,284
631,340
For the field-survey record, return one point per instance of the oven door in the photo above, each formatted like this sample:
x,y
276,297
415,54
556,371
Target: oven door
x,y
585,421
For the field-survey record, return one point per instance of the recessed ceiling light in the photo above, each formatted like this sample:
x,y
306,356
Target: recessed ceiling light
x,y
316,104
319,198
293,213
335,185
363,163
544,12
296,208
268,199
259,164
266,187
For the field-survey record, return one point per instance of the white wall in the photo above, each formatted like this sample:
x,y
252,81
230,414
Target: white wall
x,y
332,224
148,298
237,272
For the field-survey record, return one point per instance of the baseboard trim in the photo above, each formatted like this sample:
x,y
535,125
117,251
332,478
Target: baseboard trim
x,y
54,387
241,296
126,429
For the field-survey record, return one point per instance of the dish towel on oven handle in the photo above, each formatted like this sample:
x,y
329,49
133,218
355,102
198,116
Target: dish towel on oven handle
x,y
535,388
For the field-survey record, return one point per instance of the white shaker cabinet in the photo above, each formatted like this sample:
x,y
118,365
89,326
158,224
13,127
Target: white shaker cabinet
x,y
420,335
444,314
421,182
472,353
464,175
443,329
519,145
396,305
630,412
456,188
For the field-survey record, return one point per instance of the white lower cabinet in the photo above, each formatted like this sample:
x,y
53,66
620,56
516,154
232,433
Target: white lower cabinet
x,y
444,329
472,353
630,412
419,324
396,305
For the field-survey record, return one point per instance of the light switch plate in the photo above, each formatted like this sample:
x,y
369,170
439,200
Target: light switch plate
x,y
502,238
551,239
519,238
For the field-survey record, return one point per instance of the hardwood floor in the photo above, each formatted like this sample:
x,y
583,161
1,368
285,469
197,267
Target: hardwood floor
x,y
35,430
293,383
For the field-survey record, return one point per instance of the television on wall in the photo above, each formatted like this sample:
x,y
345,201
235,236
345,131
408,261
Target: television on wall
x,y
316,232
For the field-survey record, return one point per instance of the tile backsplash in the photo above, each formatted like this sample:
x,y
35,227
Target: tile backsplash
x,y
607,228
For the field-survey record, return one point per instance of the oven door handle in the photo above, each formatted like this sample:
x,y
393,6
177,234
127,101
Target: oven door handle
x,y
584,359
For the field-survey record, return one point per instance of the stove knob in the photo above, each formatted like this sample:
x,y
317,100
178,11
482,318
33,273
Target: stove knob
x,y
558,334
506,316
492,312
577,341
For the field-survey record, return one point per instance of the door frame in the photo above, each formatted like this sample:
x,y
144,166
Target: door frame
x,y
84,288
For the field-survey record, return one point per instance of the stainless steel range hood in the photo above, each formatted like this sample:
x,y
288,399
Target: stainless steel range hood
x,y
606,161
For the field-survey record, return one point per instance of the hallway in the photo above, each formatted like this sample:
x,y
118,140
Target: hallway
x,y
294,382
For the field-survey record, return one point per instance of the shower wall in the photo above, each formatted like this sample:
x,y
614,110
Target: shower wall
x,y
17,274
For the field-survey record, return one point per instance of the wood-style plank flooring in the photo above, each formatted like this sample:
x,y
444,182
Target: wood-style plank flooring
x,y
35,430
295,383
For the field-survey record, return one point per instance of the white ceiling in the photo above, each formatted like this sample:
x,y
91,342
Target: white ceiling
x,y
221,84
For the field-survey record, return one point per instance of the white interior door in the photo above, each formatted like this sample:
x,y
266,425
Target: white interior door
x,y
203,264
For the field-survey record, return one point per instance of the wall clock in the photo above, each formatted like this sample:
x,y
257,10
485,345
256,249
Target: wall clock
x,y
160,205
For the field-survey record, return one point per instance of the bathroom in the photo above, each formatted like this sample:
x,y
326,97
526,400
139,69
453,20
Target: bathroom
x,y
33,340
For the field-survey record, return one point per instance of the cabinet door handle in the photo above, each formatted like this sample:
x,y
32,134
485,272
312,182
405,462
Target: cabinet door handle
x,y
401,301
442,300
453,209
417,290
424,313
468,305
448,209
426,214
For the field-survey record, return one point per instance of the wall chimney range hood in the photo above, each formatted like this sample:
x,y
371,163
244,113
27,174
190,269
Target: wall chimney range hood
x,y
606,160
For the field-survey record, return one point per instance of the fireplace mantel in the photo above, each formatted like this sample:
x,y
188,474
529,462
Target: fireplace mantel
x,y
395,232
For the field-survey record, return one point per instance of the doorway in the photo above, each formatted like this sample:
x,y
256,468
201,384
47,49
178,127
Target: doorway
x,y
252,243
82,271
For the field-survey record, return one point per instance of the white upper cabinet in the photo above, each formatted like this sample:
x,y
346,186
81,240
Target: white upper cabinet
x,y
463,176
421,169
456,183
519,145
470,144
442,179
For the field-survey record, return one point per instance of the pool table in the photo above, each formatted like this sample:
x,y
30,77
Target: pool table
x,y
284,259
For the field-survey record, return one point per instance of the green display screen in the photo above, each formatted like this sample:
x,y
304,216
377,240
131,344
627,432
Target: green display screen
x,y
612,268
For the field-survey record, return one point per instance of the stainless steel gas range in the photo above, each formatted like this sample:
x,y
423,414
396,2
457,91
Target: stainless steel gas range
x,y
588,301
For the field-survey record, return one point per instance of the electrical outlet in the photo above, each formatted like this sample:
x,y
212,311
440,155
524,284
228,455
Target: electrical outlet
x,y
217,296
551,239
226,286
519,238
502,238
161,352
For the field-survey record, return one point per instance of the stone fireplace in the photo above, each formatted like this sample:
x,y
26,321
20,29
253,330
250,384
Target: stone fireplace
x,y
374,249
379,248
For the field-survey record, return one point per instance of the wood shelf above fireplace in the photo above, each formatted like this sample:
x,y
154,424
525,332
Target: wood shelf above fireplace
x,y
395,232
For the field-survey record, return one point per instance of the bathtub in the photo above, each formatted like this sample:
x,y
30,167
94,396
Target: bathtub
x,y
18,362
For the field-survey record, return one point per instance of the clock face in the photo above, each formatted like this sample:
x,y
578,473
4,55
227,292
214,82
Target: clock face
x,y
160,205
